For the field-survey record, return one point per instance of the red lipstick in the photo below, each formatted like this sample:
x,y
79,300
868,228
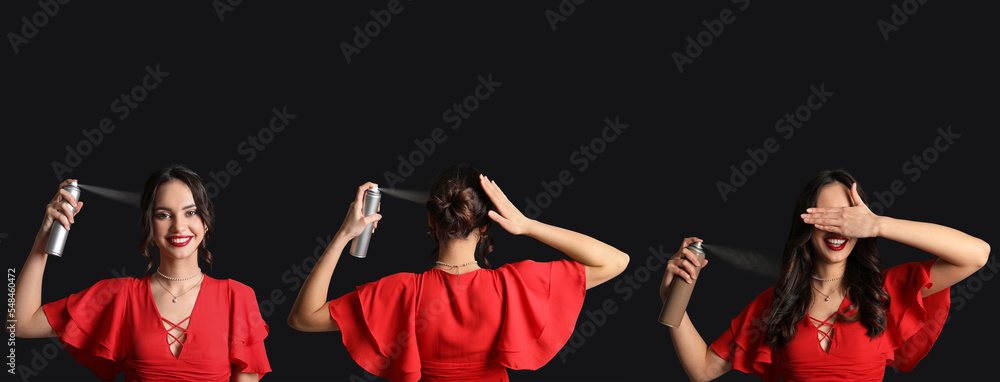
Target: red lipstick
x,y
835,243
179,241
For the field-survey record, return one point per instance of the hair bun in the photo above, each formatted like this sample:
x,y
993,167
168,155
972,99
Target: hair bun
x,y
458,205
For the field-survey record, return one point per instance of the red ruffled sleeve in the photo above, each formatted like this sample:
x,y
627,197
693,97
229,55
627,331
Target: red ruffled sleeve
x,y
743,343
914,322
247,331
377,326
541,304
89,324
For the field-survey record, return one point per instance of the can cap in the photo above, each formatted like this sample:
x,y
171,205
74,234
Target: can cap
x,y
696,246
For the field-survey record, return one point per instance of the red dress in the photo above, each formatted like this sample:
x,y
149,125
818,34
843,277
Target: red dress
x,y
437,326
914,323
114,326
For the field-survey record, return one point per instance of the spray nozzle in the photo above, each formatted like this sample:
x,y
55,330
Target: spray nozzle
x,y
696,246
373,188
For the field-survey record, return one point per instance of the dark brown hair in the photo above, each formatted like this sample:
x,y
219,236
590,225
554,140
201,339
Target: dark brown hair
x,y
458,205
863,276
203,207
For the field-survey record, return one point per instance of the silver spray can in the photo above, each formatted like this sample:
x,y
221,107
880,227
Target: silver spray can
x,y
57,238
359,246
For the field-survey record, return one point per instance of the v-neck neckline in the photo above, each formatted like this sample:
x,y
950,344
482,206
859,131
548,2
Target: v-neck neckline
x,y
845,302
189,318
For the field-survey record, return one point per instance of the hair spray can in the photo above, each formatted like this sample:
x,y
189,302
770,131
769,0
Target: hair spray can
x,y
359,246
57,238
680,293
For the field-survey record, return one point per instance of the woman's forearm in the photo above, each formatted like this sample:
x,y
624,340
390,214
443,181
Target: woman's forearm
x,y
603,261
949,244
959,254
309,312
28,312
698,360
238,376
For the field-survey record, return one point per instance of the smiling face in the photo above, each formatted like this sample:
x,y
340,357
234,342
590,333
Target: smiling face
x,y
831,247
177,228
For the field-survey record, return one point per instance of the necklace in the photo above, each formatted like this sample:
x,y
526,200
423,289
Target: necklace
x,y
833,279
459,278
456,266
175,279
182,293
824,295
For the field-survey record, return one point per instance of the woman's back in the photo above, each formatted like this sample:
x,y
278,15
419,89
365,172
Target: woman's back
x,y
463,314
437,325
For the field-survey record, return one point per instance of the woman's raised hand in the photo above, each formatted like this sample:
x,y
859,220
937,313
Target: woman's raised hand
x,y
356,221
854,221
56,210
682,264
508,216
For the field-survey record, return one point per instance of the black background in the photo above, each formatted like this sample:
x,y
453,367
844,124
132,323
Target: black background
x,y
653,185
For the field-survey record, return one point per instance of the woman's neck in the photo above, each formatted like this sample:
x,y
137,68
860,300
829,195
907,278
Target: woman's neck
x,y
458,252
178,269
827,271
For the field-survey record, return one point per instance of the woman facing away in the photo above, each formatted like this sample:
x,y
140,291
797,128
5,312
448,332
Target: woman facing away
x,y
834,314
459,320
176,324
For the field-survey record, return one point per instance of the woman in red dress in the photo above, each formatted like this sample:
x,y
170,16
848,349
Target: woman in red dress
x,y
177,324
834,314
459,320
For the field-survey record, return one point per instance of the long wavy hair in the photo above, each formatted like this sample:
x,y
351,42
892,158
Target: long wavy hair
x,y
203,207
458,205
863,277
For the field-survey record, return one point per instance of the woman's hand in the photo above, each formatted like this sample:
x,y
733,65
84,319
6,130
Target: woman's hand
x,y
356,221
682,264
508,216
601,262
57,210
854,221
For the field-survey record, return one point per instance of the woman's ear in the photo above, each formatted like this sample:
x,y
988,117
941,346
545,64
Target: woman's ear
x,y
430,221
